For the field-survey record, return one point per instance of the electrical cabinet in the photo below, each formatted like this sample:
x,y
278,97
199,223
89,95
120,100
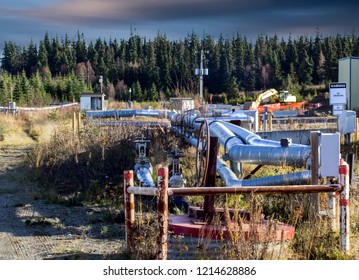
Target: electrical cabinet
x,y
329,154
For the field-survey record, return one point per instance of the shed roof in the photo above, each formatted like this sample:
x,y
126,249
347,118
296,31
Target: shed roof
x,y
89,94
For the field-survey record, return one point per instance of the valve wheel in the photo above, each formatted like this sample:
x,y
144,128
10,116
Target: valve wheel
x,y
202,154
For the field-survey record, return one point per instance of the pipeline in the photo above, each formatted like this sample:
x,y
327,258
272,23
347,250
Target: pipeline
x,y
230,179
246,147
253,139
129,113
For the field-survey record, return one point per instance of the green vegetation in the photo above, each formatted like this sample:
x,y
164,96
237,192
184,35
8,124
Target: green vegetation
x,y
59,70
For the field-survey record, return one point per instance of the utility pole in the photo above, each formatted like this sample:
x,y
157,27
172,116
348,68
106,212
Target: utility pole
x,y
201,72
101,80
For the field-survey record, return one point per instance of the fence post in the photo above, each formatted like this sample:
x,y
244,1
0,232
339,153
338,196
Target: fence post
x,y
209,200
314,198
79,122
74,122
344,206
129,208
162,214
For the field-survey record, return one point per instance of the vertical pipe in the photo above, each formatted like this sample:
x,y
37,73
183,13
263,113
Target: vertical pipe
x,y
344,206
129,209
236,167
162,214
265,118
265,122
256,121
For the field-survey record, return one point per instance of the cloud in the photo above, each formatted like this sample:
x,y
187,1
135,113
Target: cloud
x,y
182,16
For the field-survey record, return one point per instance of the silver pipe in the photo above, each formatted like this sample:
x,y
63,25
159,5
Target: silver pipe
x,y
230,179
260,152
249,137
144,175
129,113
225,136
267,155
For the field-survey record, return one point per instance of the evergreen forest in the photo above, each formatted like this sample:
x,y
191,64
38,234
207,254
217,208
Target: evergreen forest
x,y
60,69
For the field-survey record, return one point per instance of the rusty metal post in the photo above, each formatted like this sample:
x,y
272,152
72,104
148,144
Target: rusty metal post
x,y
162,214
208,205
344,206
314,145
129,200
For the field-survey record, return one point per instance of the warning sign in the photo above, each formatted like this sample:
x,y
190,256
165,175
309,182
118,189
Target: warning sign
x,y
338,93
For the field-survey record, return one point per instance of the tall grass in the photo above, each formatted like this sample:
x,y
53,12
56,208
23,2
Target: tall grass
x,y
88,167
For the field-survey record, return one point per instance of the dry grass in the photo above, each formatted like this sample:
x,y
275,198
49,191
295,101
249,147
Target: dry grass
x,y
12,131
29,128
89,166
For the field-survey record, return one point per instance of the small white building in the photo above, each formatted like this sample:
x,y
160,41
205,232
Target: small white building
x,y
93,102
182,104
348,73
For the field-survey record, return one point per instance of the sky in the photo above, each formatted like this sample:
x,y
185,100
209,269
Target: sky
x,y
25,20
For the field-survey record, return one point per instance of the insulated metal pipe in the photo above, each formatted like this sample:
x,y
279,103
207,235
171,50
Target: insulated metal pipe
x,y
260,152
266,155
251,138
230,179
129,113
144,175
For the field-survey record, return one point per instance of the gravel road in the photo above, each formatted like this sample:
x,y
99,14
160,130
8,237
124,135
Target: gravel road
x,y
32,229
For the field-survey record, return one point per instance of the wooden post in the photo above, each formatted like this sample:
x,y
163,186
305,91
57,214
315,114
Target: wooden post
x,y
79,124
73,122
162,214
314,198
209,200
129,208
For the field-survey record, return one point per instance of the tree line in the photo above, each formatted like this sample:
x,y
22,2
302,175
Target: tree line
x,y
159,68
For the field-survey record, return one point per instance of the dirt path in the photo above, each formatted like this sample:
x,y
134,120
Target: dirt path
x,y
33,229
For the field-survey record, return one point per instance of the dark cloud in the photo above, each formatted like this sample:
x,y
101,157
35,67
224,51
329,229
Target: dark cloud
x,y
178,18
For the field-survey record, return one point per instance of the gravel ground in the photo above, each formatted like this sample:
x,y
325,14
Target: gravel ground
x,y
32,229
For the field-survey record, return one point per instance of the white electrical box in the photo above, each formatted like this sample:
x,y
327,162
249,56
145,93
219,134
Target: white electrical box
x,y
347,122
329,153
